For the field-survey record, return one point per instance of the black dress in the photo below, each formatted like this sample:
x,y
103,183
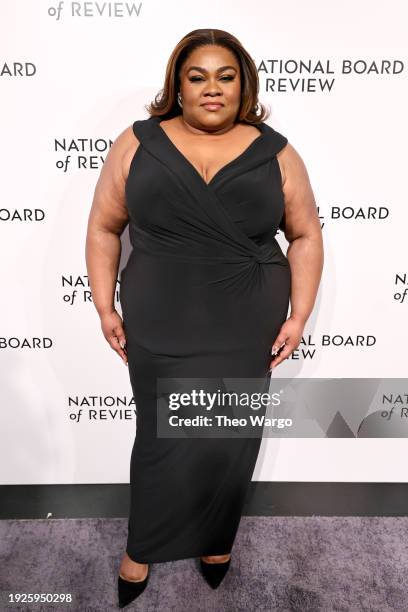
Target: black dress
x,y
203,294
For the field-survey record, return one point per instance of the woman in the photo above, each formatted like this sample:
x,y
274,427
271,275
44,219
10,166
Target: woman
x,y
204,184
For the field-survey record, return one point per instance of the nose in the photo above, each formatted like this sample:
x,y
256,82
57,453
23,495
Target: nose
x,y
212,96
213,88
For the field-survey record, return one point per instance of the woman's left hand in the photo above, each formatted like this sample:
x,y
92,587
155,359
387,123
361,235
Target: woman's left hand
x,y
290,334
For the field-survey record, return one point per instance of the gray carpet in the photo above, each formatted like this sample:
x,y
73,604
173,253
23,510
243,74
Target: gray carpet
x,y
296,564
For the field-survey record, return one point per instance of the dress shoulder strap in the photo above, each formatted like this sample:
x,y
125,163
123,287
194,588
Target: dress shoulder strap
x,y
141,128
277,140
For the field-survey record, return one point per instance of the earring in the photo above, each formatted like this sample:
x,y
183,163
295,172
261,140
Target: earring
x,y
179,100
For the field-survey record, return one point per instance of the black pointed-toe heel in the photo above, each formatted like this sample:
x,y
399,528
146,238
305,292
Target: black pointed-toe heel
x,y
128,590
214,572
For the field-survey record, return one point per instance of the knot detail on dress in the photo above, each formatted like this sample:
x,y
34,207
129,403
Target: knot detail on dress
x,y
261,259
269,254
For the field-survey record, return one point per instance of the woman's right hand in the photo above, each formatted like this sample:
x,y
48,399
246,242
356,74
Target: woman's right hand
x,y
112,327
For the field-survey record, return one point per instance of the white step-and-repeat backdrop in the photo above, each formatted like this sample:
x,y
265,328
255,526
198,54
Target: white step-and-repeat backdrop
x,y
73,76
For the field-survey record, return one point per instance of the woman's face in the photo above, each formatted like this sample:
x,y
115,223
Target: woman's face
x,y
210,87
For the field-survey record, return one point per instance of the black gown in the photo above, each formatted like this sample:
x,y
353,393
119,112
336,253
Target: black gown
x,y
203,294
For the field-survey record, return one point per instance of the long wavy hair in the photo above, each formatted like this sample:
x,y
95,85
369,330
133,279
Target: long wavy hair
x,y
165,103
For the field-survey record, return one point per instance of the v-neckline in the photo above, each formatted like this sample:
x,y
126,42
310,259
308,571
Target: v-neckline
x,y
260,127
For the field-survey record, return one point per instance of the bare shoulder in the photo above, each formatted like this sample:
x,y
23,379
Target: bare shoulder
x,y
295,176
122,151
300,203
117,162
109,201
291,165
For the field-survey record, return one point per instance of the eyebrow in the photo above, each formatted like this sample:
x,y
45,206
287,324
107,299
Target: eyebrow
x,y
200,69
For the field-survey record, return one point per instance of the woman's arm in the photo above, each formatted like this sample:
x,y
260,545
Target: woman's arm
x,y
107,220
305,252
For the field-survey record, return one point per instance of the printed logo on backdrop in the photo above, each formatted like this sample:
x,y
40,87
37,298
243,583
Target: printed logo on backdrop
x,y
310,344
22,215
348,213
25,342
76,289
12,68
315,76
98,408
359,213
87,9
81,153
401,283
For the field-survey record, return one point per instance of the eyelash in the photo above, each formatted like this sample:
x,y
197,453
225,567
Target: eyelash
x,y
197,78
